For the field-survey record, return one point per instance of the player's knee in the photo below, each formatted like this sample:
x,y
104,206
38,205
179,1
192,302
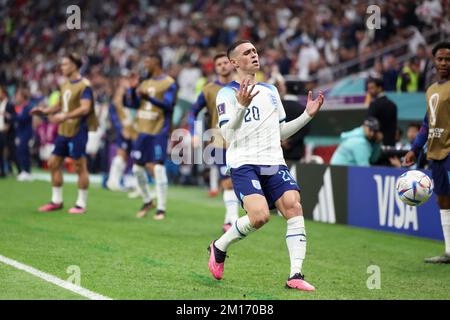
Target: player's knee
x,y
261,217
53,164
227,184
150,168
293,208
79,167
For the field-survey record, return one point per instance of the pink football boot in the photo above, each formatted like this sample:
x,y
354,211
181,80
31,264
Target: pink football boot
x,y
297,281
77,210
50,207
215,268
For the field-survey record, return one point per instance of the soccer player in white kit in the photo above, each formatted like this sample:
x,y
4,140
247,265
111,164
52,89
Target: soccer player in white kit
x,y
253,122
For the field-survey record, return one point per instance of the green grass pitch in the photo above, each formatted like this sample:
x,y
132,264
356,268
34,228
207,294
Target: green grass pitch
x,y
123,257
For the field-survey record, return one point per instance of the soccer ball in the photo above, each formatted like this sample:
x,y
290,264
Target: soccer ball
x,y
414,187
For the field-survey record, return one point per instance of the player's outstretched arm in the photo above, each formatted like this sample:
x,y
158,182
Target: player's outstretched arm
x,y
45,111
312,107
168,101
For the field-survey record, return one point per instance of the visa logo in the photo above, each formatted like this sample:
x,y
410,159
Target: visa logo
x,y
392,211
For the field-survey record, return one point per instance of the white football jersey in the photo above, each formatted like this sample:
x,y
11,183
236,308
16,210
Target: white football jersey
x,y
257,140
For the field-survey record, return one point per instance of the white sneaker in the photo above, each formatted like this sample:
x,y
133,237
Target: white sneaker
x,y
20,176
24,176
28,177
113,186
134,194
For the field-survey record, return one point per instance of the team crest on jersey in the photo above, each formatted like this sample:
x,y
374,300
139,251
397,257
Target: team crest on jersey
x,y
274,100
221,109
433,102
256,184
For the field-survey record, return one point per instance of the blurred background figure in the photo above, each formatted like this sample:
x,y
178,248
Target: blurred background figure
x,y
408,79
293,147
24,131
390,73
360,146
7,118
46,133
399,143
122,123
427,72
383,109
411,134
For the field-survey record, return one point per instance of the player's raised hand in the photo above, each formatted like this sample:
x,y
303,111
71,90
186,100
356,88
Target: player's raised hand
x,y
244,95
313,106
409,159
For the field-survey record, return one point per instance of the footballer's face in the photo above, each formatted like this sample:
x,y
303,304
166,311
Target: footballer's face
x,y
223,66
67,67
150,64
245,58
442,60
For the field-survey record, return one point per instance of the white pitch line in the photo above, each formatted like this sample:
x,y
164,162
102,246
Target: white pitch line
x,y
55,280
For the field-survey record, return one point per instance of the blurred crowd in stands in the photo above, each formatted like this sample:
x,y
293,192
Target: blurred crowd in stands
x,y
304,39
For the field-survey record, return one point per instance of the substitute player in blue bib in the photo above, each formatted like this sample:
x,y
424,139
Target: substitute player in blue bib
x,y
253,122
207,99
435,131
154,100
75,115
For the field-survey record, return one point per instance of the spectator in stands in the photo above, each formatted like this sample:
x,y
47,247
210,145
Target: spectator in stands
x,y
387,26
427,71
324,74
383,109
360,146
411,133
294,147
430,12
408,79
7,117
308,60
329,45
390,73
399,145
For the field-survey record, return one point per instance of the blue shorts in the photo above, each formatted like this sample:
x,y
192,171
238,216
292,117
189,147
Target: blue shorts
x,y
125,144
219,155
73,147
440,171
269,181
149,148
